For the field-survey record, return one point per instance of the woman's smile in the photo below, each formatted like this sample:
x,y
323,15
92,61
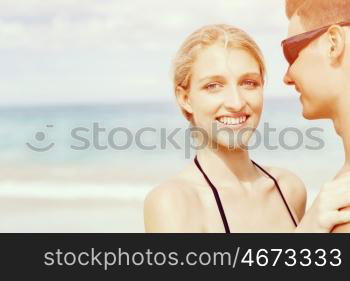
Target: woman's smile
x,y
232,121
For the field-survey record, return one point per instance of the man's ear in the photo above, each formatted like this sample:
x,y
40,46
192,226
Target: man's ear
x,y
336,40
182,96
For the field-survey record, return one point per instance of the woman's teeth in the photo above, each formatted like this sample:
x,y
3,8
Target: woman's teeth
x,y
232,121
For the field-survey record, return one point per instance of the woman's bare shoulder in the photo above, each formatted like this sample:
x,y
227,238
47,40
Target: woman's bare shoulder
x,y
286,176
171,191
166,205
292,188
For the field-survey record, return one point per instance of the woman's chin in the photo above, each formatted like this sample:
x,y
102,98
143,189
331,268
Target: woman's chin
x,y
231,144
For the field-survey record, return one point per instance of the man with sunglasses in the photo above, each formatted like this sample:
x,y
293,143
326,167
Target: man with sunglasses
x,y
318,53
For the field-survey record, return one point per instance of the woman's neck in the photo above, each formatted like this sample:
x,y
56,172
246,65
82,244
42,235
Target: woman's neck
x,y
227,165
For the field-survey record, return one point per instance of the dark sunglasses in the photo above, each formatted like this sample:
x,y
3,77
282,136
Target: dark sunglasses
x,y
293,45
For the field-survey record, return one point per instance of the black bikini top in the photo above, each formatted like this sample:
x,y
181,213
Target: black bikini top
x,y
218,201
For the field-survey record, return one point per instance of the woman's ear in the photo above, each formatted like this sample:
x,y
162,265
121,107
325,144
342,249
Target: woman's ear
x,y
336,40
182,96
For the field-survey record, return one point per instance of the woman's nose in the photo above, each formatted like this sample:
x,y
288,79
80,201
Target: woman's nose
x,y
234,100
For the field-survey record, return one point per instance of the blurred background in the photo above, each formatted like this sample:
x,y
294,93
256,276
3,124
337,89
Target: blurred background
x,y
68,64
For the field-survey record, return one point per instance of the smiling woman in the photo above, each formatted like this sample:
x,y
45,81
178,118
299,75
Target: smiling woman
x,y
218,80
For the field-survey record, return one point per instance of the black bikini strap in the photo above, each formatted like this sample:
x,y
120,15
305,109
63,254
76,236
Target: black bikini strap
x,y
216,195
279,190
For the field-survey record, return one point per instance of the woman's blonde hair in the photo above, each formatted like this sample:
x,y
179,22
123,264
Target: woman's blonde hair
x,y
229,36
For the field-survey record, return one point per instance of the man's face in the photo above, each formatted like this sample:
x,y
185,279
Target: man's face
x,y
310,75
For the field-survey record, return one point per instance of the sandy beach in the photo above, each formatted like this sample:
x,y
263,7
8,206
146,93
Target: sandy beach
x,y
36,208
62,215
73,198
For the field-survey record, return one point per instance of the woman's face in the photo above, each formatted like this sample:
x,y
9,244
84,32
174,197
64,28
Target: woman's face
x,y
226,95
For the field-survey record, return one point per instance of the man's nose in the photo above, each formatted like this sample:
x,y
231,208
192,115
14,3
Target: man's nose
x,y
287,79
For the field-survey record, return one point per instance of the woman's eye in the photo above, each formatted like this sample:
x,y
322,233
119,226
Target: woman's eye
x,y
250,84
212,86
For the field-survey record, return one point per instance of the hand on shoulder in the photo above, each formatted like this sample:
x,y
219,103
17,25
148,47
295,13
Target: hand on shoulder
x,y
327,209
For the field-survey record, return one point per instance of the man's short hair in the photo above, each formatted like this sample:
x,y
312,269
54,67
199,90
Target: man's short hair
x,y
318,13
292,6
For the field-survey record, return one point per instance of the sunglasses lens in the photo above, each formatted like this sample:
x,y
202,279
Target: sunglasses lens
x,y
293,45
287,54
291,59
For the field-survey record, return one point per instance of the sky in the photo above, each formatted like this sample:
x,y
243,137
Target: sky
x,y
109,51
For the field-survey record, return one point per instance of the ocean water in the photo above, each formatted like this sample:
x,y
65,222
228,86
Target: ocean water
x,y
94,173
95,147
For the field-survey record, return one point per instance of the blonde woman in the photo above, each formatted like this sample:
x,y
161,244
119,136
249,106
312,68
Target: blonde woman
x,y
219,76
